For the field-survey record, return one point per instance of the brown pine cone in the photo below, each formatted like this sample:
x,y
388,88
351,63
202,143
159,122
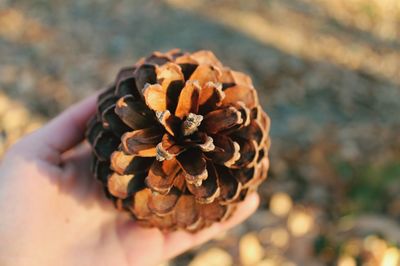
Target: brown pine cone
x,y
179,139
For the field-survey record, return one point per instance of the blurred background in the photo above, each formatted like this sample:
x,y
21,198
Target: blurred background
x,y
327,71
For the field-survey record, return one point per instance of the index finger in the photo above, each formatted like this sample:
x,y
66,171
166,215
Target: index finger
x,y
67,129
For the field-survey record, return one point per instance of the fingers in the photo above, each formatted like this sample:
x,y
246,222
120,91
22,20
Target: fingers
x,y
76,177
178,242
64,131
76,163
135,239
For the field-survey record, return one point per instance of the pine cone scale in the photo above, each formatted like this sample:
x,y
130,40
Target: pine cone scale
x,y
221,120
162,204
187,211
211,97
227,152
194,165
241,93
142,142
230,187
120,161
134,113
208,189
145,74
162,175
204,74
188,100
104,145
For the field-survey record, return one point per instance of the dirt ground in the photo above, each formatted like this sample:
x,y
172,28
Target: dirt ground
x,y
327,72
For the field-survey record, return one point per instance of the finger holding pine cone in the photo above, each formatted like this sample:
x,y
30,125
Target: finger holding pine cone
x,y
179,139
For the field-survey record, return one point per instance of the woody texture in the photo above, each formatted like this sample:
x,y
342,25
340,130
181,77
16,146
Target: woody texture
x,y
179,139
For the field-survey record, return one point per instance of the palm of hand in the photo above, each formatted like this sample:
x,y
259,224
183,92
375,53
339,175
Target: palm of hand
x,y
54,212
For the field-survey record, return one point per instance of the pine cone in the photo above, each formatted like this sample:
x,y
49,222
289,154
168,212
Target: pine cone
x,y
179,139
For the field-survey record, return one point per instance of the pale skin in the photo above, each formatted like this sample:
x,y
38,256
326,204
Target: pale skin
x,y
53,212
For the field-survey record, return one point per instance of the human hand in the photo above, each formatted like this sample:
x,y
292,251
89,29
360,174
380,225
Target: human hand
x,y
53,211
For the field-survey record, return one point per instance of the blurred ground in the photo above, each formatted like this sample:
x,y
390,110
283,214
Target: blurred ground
x,y
328,73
